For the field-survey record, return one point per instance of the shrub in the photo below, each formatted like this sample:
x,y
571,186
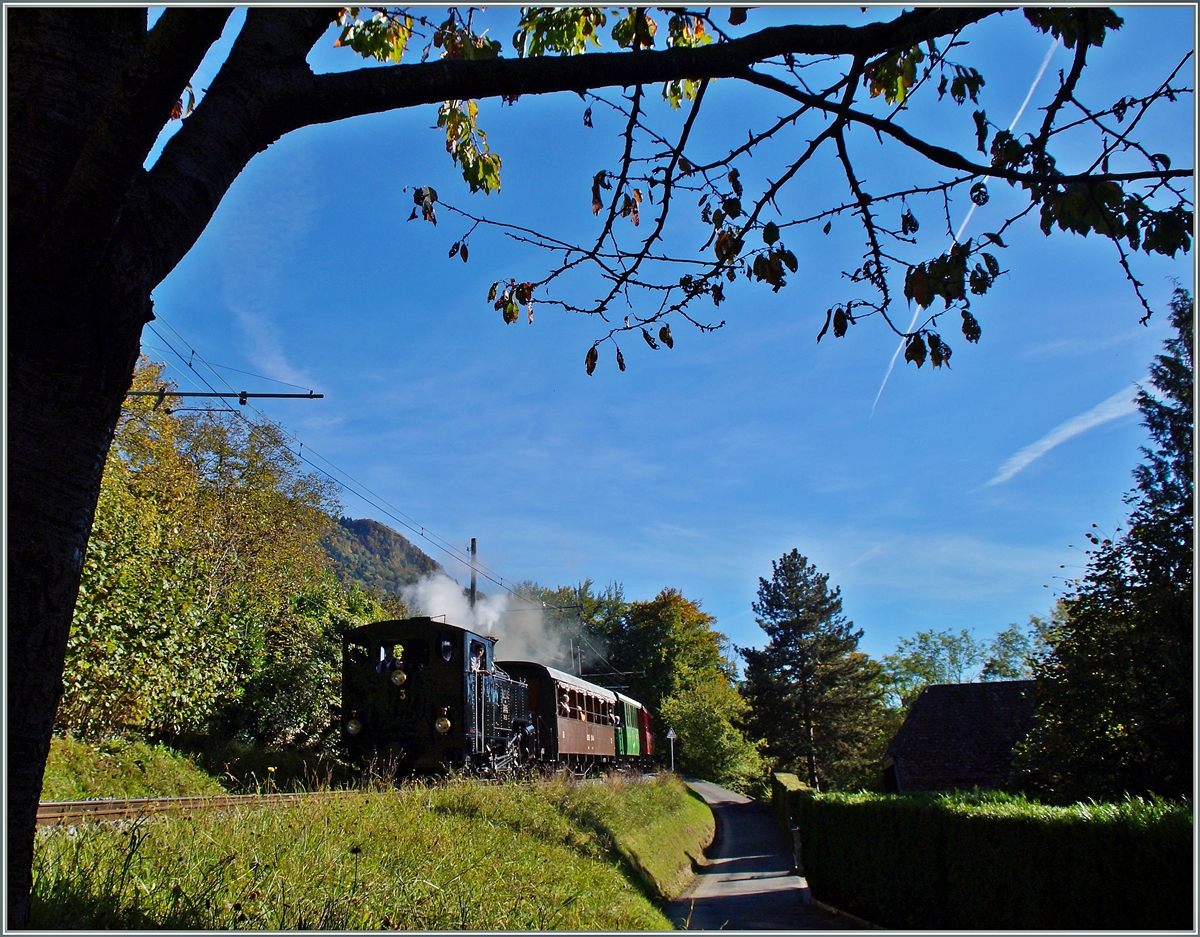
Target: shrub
x,y
990,860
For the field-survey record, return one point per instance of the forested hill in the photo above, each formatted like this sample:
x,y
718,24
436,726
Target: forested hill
x,y
375,556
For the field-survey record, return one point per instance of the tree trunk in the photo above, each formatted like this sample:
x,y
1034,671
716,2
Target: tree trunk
x,y
61,413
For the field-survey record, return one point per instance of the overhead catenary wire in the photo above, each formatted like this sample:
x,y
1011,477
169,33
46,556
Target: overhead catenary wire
x,y
347,481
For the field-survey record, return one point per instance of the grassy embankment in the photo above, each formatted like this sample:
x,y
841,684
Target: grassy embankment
x,y
121,768
459,855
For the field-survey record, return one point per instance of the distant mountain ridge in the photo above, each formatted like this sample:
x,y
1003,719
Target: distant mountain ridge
x,y
375,556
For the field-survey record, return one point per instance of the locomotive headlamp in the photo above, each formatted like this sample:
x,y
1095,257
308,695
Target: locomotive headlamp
x,y
353,727
442,724
398,677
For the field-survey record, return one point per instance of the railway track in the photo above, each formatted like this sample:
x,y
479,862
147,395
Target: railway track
x,y
70,812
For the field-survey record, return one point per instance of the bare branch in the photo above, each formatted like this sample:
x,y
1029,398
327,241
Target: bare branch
x,y
940,155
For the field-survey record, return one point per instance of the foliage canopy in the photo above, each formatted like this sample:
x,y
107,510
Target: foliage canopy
x,y
1115,703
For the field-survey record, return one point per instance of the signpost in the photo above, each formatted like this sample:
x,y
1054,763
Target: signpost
x,y
671,736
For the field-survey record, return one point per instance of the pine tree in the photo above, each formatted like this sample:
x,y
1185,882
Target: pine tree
x,y
813,695
1115,705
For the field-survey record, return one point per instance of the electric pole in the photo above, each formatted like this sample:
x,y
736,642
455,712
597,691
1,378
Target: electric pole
x,y
473,551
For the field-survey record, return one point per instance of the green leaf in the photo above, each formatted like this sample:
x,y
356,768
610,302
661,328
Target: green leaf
x,y
1065,22
981,130
914,350
825,327
770,233
970,327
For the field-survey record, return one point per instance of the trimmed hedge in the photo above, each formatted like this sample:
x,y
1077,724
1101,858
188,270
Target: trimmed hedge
x,y
987,860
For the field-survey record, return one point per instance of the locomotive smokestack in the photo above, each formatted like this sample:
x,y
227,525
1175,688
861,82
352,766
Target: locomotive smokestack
x,y
473,551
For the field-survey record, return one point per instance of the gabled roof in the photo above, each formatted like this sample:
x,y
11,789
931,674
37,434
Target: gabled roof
x,y
961,735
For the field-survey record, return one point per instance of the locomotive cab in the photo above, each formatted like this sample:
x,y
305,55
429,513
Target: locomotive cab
x,y
423,695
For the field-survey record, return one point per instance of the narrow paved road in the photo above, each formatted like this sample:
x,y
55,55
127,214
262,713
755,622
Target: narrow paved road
x,y
749,882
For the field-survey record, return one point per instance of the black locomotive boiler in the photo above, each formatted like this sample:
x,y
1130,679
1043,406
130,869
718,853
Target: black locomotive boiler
x,y
425,695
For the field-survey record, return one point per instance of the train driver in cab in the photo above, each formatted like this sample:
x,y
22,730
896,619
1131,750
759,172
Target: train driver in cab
x,y
478,658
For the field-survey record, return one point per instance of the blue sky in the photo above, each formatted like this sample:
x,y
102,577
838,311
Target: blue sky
x,y
698,465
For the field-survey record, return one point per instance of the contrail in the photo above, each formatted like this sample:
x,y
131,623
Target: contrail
x,y
1114,407
962,227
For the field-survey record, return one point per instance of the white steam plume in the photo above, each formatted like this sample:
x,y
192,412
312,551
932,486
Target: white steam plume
x,y
518,623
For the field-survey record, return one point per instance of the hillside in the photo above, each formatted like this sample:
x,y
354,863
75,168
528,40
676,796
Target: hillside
x,y
375,556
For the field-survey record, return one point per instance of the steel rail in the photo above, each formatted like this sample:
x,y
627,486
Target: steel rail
x,y
67,812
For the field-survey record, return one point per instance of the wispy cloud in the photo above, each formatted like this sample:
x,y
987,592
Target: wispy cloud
x,y
276,209
1115,407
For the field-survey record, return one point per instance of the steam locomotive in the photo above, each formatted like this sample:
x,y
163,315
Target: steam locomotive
x,y
426,696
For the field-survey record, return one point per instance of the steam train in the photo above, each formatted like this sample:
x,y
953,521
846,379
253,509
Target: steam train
x,y
428,696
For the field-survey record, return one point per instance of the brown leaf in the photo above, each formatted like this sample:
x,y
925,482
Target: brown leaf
x,y
590,360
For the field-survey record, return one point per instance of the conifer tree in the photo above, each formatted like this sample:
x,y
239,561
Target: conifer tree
x,y
814,697
1114,700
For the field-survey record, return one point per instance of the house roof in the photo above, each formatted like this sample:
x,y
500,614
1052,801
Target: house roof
x,y
961,735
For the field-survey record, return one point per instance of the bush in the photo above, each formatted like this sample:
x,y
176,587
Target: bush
x,y
997,861
710,746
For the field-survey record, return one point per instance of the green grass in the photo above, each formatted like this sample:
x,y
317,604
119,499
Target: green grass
x,y
1133,811
665,847
120,768
459,855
